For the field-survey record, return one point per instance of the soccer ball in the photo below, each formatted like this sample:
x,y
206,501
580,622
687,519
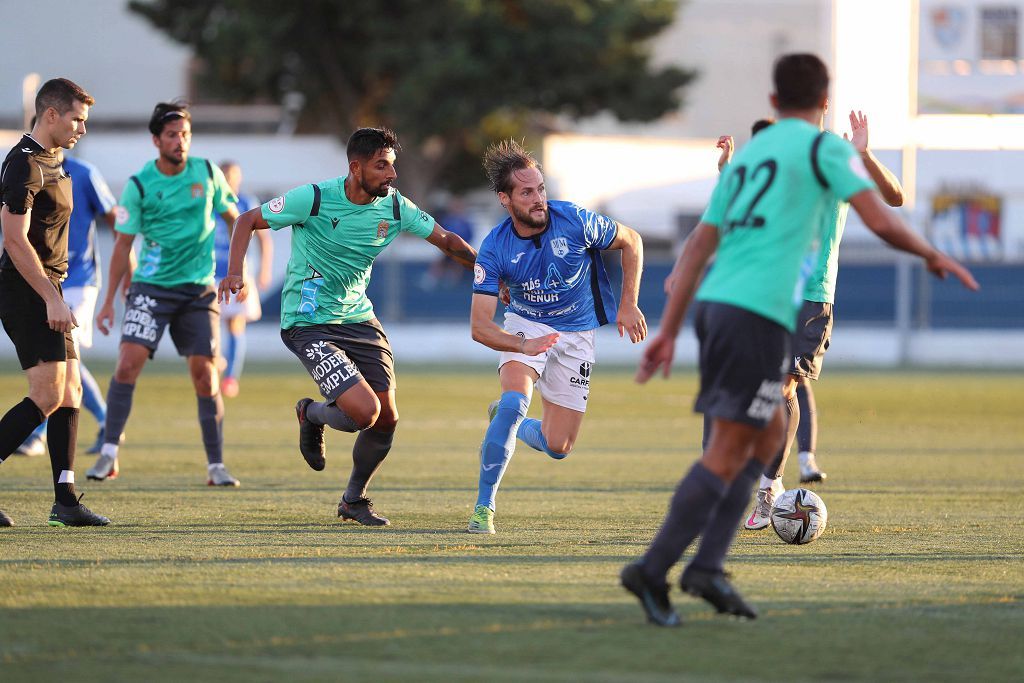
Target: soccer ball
x,y
799,516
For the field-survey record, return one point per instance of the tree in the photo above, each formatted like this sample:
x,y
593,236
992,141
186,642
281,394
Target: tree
x,y
450,76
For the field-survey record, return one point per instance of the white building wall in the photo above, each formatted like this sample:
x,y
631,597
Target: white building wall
x,y
116,56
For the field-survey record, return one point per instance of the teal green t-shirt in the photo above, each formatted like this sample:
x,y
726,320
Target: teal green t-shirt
x,y
334,243
769,207
821,283
176,216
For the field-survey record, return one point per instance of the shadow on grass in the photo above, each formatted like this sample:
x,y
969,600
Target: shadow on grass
x,y
590,641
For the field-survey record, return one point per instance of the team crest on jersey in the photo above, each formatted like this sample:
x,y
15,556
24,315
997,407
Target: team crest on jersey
x,y
478,274
382,229
560,247
276,205
197,190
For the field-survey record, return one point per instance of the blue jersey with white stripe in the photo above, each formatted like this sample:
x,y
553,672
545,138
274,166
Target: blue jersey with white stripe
x,y
222,240
557,277
92,198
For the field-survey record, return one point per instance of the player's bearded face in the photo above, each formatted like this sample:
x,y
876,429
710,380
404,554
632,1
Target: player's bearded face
x,y
528,200
174,141
378,173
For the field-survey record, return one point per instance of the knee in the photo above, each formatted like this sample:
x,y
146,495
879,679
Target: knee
x,y
47,400
364,416
128,370
205,380
386,422
73,395
559,449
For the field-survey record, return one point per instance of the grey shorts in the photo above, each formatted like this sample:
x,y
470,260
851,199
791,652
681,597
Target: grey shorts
x,y
742,358
338,356
190,310
811,339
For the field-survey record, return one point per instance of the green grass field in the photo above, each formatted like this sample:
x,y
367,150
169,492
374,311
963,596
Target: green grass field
x,y
919,576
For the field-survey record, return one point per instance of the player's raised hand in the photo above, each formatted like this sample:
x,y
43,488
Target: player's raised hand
x,y
232,284
537,345
631,319
658,354
858,131
727,145
940,265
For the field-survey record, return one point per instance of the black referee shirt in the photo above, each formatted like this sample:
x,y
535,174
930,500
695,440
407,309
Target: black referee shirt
x,y
34,179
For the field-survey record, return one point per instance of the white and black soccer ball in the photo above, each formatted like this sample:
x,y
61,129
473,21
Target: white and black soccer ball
x,y
799,516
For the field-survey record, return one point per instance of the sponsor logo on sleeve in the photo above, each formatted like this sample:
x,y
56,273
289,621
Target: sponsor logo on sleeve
x,y
424,216
276,205
122,215
478,274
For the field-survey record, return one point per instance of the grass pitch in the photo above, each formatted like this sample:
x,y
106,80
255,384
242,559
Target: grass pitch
x,y
919,575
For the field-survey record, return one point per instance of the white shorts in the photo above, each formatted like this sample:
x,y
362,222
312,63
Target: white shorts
x,y
82,302
564,369
250,308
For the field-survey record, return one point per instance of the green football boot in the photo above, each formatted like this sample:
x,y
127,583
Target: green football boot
x,y
482,521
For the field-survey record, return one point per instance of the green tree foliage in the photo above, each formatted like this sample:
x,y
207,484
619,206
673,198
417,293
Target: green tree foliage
x,y
450,76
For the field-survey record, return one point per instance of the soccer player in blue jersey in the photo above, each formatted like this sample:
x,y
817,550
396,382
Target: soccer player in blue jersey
x,y
548,253
237,314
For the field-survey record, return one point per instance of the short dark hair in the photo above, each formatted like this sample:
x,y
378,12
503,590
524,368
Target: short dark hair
x,y
366,142
801,80
59,93
504,158
165,112
760,125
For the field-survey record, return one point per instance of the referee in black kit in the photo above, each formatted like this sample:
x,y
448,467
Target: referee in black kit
x,y
36,196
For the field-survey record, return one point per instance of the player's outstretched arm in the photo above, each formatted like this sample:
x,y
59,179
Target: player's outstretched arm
x,y
891,228
453,246
121,268
689,269
630,319
481,320
887,182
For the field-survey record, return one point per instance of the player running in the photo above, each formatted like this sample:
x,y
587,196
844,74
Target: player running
x,y
548,252
171,203
339,227
765,213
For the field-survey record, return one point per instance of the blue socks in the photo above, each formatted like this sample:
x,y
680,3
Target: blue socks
x,y
531,434
235,355
499,444
92,397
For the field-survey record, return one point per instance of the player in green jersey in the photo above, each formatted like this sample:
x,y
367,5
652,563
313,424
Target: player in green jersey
x,y
171,202
339,227
764,215
814,332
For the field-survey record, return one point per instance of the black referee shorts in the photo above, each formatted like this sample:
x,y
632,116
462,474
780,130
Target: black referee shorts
x,y
23,313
